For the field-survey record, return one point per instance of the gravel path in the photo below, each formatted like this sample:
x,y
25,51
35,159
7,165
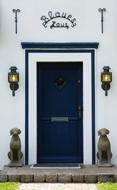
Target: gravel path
x,y
57,186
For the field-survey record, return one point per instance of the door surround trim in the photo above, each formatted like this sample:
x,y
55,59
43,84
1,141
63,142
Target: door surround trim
x,y
60,48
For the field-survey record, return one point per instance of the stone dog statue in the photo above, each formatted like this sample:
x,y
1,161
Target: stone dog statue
x,y
104,154
15,154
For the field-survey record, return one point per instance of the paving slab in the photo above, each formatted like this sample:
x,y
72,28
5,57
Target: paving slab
x,y
57,186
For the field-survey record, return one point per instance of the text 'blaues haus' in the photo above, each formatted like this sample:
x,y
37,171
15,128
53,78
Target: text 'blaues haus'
x,y
54,20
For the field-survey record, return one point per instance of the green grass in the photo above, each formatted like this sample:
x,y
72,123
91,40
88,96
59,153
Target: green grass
x,y
107,186
9,186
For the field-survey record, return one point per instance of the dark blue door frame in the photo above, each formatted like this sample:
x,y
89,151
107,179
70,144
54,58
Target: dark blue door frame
x,y
59,48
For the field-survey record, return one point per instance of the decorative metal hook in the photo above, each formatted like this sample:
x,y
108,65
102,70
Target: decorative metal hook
x,y
16,20
102,10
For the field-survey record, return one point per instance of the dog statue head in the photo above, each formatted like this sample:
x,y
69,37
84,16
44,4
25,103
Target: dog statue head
x,y
15,131
103,132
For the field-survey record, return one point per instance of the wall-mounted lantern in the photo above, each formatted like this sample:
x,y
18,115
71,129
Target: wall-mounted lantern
x,y
13,79
106,79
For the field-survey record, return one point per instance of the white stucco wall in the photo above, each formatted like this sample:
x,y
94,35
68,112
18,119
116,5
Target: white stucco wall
x,y
30,29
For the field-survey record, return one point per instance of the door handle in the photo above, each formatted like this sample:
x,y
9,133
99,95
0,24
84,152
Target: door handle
x,y
79,112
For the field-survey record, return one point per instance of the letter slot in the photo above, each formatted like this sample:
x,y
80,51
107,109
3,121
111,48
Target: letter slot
x,y
59,119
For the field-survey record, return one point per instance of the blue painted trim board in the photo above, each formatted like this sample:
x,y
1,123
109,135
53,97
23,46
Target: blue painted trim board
x,y
26,107
31,45
49,49
93,105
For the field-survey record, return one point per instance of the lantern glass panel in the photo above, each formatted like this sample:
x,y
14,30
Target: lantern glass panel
x,y
106,78
13,78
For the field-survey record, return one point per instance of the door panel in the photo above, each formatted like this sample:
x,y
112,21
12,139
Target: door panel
x,y
59,120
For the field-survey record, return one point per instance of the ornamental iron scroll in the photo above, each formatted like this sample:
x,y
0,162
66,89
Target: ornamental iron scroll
x,y
58,20
16,20
102,10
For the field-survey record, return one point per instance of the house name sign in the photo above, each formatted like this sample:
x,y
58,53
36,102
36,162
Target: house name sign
x,y
58,20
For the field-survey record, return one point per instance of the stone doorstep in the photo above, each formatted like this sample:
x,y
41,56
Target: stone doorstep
x,y
61,178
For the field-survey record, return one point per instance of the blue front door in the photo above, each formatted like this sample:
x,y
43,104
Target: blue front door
x,y
59,112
